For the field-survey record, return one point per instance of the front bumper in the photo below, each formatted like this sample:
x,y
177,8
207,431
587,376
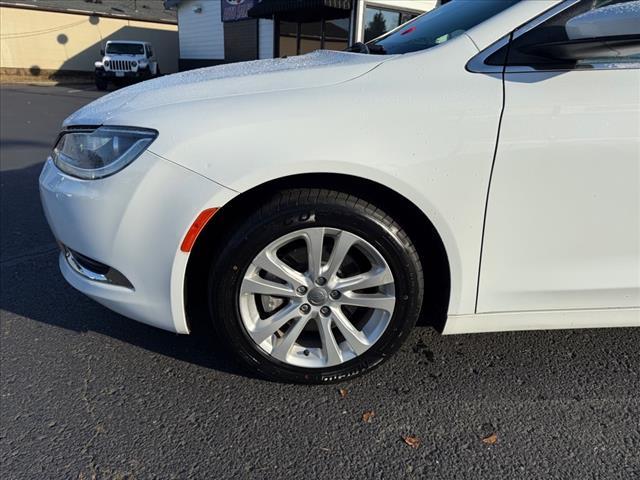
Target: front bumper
x,y
129,74
132,223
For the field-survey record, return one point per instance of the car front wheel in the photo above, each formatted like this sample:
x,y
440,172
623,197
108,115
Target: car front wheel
x,y
316,286
101,83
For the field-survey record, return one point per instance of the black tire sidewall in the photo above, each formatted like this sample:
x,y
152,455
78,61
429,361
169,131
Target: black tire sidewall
x,y
260,230
101,84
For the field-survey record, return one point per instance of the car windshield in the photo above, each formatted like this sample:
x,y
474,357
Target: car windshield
x,y
438,26
125,49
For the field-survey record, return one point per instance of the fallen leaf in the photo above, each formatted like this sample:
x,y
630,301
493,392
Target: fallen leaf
x,y
412,441
343,392
491,439
368,416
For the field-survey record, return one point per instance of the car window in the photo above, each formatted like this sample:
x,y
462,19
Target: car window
x,y
439,25
586,22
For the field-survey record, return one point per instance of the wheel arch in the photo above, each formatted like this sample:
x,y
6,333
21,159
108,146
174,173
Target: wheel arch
x,y
419,227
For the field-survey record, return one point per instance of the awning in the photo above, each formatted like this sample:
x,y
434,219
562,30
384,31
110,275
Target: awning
x,y
302,10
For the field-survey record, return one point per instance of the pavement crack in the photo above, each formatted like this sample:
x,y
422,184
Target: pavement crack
x,y
29,255
90,409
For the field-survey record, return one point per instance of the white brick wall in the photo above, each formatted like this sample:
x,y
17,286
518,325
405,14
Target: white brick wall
x,y
201,34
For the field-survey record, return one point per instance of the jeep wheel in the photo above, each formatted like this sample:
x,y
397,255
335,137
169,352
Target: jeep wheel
x,y
101,84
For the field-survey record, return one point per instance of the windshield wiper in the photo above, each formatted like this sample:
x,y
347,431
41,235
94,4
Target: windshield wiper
x,y
376,49
368,49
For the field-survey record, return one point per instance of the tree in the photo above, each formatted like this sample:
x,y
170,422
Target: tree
x,y
376,27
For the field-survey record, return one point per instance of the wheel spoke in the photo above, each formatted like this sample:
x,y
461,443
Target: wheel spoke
x,y
261,286
373,278
281,350
269,262
343,243
354,338
330,347
318,293
315,240
275,322
377,301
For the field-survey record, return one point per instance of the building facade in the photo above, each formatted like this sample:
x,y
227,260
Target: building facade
x,y
53,39
213,32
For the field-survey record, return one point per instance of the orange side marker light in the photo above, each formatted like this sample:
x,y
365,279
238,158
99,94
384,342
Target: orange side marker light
x,y
196,228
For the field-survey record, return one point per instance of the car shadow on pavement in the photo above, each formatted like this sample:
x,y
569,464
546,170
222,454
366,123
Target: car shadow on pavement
x,y
533,363
32,287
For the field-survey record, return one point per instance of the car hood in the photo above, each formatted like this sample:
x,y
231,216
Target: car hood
x,y
320,68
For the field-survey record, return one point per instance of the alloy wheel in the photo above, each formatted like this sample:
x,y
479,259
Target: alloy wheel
x,y
317,297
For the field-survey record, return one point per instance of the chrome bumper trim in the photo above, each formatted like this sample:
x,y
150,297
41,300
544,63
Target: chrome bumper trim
x,y
111,276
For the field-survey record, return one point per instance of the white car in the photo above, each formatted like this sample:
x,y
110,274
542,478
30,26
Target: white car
x,y
478,167
124,60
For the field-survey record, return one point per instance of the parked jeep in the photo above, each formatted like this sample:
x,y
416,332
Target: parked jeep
x,y
125,60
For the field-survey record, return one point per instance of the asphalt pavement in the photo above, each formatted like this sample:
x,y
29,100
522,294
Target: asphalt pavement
x,y
86,393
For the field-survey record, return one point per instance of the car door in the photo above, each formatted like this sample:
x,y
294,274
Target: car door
x,y
562,228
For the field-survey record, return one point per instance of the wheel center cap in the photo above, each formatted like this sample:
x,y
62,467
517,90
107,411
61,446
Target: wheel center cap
x,y
317,296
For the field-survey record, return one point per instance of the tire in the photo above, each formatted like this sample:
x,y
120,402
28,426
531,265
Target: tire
x,y
158,74
145,74
381,249
101,84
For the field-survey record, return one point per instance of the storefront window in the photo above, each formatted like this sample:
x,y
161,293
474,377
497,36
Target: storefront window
x,y
336,34
288,38
378,21
310,37
300,38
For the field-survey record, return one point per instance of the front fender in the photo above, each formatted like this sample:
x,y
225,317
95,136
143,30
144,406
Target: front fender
x,y
258,178
432,141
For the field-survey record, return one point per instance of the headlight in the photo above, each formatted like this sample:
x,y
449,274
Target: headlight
x,y
92,154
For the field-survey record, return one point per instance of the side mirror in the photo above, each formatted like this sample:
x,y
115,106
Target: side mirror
x,y
606,32
618,19
587,48
102,52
